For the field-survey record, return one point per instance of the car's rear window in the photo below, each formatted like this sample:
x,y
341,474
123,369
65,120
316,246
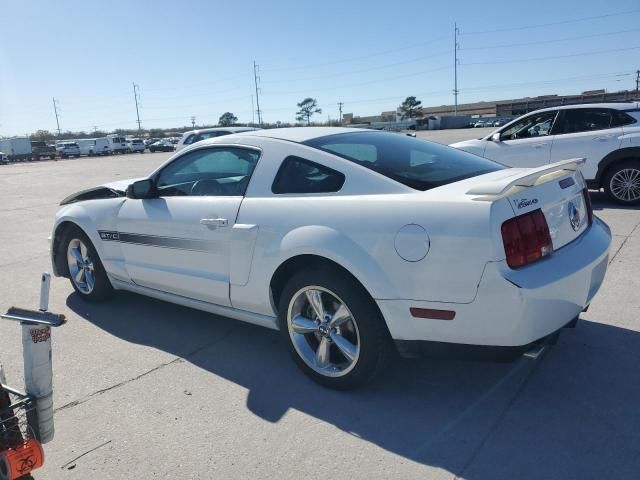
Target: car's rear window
x,y
416,163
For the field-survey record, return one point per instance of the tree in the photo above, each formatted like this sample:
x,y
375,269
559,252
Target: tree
x,y
227,119
411,108
307,107
42,136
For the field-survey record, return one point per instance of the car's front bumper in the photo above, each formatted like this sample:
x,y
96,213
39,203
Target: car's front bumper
x,y
514,307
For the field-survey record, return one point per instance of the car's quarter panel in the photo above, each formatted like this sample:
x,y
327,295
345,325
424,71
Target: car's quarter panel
x,y
166,247
514,307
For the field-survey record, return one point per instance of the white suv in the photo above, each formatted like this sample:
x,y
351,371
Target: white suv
x,y
606,134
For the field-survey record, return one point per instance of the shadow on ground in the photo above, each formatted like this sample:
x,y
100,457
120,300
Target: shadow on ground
x,y
600,201
573,414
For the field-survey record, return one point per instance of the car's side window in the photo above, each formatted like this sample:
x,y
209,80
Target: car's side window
x,y
620,119
297,175
585,120
189,139
536,125
208,171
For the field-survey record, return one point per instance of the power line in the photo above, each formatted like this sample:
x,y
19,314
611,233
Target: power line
x,y
255,79
561,22
532,59
540,42
55,110
136,97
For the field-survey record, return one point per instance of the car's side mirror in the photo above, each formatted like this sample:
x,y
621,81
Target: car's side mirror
x,y
142,189
495,137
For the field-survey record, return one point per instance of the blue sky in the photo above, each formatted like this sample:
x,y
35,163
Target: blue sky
x,y
196,57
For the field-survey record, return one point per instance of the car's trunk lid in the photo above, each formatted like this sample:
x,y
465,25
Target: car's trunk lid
x,y
557,189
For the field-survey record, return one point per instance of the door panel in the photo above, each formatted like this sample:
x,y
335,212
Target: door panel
x,y
586,133
179,244
525,143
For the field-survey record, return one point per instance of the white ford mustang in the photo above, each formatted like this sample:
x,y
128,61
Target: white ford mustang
x,y
345,240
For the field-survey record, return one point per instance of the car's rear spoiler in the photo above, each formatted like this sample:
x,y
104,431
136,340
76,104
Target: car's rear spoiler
x,y
522,177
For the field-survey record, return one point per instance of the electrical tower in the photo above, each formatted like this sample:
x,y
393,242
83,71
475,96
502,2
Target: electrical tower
x,y
256,78
193,122
455,67
55,110
340,104
136,97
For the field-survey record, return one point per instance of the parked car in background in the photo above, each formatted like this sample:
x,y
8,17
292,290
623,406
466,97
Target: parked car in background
x,y
4,158
117,143
345,240
16,148
162,146
102,146
193,136
135,145
41,150
149,141
480,124
607,135
67,149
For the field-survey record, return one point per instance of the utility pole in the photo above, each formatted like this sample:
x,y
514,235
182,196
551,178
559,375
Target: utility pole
x,y
255,79
455,68
193,122
340,104
55,110
136,97
637,82
253,112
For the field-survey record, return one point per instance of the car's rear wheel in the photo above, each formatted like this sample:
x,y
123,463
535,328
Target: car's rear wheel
x,y
86,272
333,328
622,183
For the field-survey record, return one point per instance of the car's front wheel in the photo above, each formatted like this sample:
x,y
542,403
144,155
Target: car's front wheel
x,y
86,272
333,328
622,183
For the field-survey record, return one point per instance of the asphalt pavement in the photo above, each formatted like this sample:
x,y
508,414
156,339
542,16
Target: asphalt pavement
x,y
145,389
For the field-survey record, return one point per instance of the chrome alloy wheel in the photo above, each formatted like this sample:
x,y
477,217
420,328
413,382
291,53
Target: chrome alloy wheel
x,y
81,269
323,331
625,184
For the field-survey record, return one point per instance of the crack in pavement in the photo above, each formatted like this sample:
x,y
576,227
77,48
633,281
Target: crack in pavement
x,y
85,453
176,360
624,242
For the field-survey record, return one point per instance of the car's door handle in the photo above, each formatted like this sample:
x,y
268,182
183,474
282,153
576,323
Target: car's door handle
x,y
214,222
603,138
539,145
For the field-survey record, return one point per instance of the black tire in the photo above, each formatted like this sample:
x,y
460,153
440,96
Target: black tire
x,y
102,289
629,165
374,338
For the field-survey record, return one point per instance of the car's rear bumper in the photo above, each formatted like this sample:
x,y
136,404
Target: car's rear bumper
x,y
514,307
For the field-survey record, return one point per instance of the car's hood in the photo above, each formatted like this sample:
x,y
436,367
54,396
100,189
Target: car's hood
x,y
107,190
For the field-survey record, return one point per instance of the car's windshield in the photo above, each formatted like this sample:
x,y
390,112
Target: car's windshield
x,y
416,163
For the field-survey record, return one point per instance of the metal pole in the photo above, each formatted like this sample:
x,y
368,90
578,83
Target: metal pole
x,y
55,110
255,79
135,97
455,68
340,109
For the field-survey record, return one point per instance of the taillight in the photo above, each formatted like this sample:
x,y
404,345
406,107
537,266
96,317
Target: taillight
x,y
526,239
587,202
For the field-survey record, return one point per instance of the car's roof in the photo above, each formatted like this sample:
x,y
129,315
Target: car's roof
x,y
217,129
303,134
614,106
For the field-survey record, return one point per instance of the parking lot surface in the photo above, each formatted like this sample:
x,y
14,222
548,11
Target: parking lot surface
x,y
145,389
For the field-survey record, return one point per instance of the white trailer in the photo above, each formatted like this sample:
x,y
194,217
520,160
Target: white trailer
x,y
103,147
16,148
87,146
118,143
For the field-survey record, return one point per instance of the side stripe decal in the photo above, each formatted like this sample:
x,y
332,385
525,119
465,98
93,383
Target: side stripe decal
x,y
191,244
